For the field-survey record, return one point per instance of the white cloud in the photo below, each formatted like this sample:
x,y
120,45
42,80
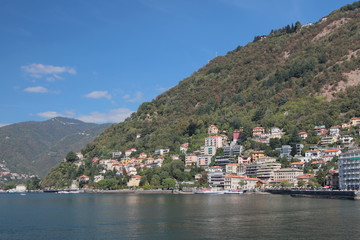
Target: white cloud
x,y
137,98
50,114
115,115
37,89
38,70
98,94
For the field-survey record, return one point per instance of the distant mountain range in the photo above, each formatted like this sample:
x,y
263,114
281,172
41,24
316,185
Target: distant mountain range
x,y
35,147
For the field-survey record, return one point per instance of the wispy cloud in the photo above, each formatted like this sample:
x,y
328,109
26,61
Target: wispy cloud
x,y
52,114
38,89
137,98
98,94
38,70
115,115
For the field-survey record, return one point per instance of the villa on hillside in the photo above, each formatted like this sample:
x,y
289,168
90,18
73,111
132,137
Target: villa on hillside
x,y
213,130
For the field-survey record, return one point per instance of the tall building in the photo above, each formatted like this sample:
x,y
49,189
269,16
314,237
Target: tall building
x,y
349,170
216,176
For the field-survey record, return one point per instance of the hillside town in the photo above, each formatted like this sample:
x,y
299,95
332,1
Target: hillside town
x,y
226,164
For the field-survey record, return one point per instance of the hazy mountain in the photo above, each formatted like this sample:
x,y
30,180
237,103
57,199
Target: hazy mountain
x,y
35,147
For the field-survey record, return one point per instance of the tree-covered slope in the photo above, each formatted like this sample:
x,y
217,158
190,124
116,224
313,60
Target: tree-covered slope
x,y
293,78
35,147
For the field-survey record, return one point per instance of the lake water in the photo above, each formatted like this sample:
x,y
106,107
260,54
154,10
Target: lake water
x,y
133,216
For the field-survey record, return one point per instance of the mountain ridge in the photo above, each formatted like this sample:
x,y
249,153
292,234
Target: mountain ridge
x,y
25,146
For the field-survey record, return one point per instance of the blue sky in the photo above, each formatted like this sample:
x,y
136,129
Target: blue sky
x,y
97,61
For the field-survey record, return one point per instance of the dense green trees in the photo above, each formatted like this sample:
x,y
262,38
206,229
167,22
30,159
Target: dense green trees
x,y
71,157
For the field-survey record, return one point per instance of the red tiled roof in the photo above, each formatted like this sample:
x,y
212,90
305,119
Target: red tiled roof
x,y
298,163
305,176
332,150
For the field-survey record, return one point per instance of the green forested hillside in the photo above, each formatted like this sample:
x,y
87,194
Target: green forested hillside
x,y
35,147
294,78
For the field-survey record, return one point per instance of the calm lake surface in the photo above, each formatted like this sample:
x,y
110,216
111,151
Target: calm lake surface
x,y
134,216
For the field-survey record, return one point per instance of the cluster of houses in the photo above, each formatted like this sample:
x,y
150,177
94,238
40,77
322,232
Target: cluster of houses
x,y
235,171
125,164
7,175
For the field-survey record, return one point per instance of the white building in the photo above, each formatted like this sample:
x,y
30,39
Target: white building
x,y
216,176
349,170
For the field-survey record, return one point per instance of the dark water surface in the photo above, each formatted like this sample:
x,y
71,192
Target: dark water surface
x,y
131,216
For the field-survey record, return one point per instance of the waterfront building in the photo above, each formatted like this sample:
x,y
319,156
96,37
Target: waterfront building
x,y
234,182
216,176
332,179
134,181
305,177
349,170
20,188
266,170
287,174
264,166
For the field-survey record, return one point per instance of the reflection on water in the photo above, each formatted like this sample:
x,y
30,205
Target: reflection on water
x,y
114,216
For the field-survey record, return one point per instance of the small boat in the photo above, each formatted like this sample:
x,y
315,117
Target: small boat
x,y
234,192
209,191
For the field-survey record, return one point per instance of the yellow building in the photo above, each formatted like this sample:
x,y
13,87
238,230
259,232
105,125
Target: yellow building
x,y
134,181
256,155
